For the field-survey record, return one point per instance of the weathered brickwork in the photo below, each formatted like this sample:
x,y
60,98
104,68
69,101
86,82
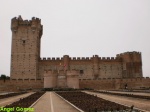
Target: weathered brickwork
x,y
61,79
27,64
25,48
126,65
103,84
106,84
17,85
29,70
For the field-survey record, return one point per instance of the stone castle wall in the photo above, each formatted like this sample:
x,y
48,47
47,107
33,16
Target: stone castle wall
x,y
61,79
26,62
103,84
16,85
125,65
111,84
95,72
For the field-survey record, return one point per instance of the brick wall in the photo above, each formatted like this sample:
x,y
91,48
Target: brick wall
x,y
107,84
15,85
104,84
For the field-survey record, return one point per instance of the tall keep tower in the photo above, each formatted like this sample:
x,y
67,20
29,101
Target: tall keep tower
x,y
25,52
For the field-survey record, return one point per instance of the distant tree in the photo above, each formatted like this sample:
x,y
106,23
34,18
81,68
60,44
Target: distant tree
x,y
7,77
3,76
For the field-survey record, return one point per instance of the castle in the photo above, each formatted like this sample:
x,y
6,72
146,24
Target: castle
x,y
26,62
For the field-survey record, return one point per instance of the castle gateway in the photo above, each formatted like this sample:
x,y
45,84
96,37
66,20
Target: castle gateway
x,y
26,62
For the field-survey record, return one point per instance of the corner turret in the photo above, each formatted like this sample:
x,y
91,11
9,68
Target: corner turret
x,y
132,64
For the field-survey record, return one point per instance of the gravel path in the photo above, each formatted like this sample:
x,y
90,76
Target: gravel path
x,y
10,100
50,102
43,105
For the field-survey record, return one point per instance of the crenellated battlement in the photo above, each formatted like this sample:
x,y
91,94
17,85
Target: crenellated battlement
x,y
51,58
81,58
18,21
58,58
127,53
26,64
110,59
130,56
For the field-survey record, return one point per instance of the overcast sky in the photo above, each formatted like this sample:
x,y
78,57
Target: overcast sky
x,y
81,28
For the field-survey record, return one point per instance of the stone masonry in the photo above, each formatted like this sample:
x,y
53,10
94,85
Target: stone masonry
x,y
26,62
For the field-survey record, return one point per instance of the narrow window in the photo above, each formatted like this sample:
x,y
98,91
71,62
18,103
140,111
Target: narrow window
x,y
81,72
24,41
